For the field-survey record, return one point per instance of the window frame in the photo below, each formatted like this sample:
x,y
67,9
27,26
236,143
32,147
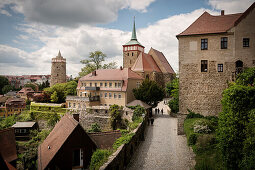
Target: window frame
x,y
246,42
204,65
220,68
224,43
204,44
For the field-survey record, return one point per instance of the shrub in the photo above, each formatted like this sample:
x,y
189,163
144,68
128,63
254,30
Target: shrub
x,y
138,112
99,157
193,115
95,128
201,127
192,139
122,140
116,120
174,105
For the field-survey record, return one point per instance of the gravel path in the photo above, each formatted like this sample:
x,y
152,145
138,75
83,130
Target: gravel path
x,y
162,148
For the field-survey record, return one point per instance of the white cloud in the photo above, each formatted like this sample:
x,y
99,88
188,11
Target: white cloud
x,y
72,13
139,5
231,6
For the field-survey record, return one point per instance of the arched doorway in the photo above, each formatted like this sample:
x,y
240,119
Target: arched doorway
x,y
239,66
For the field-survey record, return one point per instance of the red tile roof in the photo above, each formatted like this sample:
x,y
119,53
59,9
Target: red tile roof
x,y
8,145
162,59
145,62
208,24
112,74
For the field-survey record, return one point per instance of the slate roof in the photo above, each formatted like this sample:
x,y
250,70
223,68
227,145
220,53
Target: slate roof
x,y
23,124
55,140
209,24
139,102
8,144
145,62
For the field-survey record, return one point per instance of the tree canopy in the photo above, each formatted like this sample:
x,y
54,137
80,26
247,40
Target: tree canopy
x,y
172,89
95,62
59,91
235,132
3,81
149,92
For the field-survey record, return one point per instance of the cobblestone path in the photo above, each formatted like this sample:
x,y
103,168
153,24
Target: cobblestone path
x,y
162,148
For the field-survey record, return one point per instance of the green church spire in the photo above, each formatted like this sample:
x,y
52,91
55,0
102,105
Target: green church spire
x,y
134,32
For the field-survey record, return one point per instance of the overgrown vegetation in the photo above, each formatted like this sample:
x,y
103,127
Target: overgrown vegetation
x,y
235,133
95,128
59,91
99,157
172,89
227,142
149,92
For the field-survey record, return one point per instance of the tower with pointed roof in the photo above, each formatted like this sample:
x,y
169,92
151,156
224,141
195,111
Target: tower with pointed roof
x,y
58,70
131,50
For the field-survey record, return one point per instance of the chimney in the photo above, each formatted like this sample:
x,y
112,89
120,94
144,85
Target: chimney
x,y
121,68
76,117
94,73
222,12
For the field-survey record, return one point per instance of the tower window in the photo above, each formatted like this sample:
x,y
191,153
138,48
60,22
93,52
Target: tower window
x,y
204,44
246,42
204,64
224,42
132,54
220,67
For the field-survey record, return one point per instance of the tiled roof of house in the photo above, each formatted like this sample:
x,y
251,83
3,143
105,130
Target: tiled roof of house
x,y
163,61
26,90
105,140
15,99
51,145
208,24
112,74
145,62
138,102
8,144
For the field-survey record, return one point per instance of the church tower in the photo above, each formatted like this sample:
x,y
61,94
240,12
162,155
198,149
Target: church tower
x,y
131,50
58,70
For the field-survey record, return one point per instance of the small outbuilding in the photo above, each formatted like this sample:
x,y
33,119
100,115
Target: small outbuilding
x,y
147,107
22,129
68,146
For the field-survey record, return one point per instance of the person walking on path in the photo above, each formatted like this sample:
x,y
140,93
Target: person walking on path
x,y
162,111
152,120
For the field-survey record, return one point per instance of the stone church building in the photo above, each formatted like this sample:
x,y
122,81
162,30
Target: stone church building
x,y
58,70
213,50
153,65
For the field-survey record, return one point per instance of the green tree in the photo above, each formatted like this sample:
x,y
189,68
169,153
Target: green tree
x,y
62,90
116,119
33,86
237,123
149,92
54,97
172,89
3,81
7,88
95,128
94,63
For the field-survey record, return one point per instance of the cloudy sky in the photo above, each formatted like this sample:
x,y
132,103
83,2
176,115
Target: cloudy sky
x,y
32,31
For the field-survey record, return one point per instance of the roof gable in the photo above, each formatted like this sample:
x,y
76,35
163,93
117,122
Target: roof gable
x,y
161,61
54,141
145,62
208,24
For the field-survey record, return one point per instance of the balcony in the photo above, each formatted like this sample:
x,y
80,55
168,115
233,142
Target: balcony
x,y
92,88
83,99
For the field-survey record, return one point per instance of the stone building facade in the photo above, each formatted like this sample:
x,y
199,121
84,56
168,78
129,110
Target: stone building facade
x,y
153,65
58,70
212,52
